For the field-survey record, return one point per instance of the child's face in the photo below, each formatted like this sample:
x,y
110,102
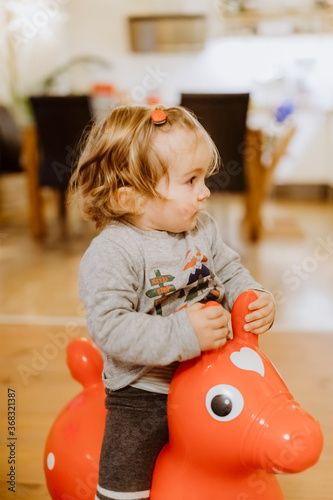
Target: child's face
x,y
184,191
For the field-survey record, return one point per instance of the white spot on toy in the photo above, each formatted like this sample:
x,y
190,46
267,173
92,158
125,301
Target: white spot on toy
x,y
50,461
248,359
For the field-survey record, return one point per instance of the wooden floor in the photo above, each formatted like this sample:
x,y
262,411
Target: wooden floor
x,y
35,367
42,383
39,299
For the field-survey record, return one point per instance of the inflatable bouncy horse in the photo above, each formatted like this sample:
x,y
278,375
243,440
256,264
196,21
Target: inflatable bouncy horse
x,y
233,426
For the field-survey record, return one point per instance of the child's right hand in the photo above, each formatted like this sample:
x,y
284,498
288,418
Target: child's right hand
x,y
210,325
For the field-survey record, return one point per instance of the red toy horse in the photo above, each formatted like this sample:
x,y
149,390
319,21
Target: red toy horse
x,y
233,425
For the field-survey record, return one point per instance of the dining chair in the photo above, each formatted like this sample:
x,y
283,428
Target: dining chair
x,y
60,123
10,142
224,118
10,149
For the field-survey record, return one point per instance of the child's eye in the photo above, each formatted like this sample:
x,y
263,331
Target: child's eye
x,y
191,180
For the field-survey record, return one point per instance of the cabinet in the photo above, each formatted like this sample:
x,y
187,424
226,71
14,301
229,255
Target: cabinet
x,y
167,33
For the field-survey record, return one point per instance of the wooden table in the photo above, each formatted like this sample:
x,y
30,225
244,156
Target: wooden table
x,y
264,149
259,175
30,163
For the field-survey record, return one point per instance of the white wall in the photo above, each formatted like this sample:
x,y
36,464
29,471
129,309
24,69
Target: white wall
x,y
48,33
5,90
309,158
330,148
45,34
36,38
97,27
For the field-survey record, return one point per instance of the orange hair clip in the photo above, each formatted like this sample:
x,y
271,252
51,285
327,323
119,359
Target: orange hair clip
x,y
158,116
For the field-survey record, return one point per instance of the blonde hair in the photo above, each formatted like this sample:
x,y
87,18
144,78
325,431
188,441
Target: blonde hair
x,y
119,151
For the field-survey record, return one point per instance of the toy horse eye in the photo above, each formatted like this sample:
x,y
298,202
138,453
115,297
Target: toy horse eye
x,y
224,402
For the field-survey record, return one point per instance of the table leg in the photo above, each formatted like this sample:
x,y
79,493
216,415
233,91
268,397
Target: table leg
x,y
259,177
30,163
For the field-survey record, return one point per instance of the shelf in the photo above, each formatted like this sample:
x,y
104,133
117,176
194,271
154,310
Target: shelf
x,y
167,33
319,20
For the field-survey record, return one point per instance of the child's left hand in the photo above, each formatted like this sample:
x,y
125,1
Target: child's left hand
x,y
262,317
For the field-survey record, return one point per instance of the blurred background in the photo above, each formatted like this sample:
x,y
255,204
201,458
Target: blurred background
x,y
258,74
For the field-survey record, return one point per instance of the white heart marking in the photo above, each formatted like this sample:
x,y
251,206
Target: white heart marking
x,y
248,359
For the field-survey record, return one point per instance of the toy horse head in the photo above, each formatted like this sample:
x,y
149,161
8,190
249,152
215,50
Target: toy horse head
x,y
230,413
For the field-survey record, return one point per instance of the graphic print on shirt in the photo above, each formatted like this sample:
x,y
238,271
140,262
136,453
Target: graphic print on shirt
x,y
162,290
200,277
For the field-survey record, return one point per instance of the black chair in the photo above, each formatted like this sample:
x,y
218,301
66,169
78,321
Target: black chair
x,y
224,118
60,122
10,147
10,143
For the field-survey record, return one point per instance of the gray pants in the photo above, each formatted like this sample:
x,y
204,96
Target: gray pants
x,y
136,429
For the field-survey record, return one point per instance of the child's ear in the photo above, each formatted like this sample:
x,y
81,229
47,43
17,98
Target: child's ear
x,y
125,197
129,200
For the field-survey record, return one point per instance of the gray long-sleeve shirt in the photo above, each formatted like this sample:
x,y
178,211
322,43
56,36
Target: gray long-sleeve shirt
x,y
137,284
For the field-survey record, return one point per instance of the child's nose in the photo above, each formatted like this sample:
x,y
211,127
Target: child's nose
x,y
204,193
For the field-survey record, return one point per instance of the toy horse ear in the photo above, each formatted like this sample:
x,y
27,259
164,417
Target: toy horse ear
x,y
239,311
84,361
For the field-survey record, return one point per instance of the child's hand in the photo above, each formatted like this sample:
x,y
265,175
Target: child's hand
x,y
262,317
210,325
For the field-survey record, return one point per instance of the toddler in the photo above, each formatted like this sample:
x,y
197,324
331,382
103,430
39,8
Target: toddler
x,y
144,279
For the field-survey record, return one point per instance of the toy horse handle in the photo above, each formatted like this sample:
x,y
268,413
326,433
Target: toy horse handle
x,y
239,310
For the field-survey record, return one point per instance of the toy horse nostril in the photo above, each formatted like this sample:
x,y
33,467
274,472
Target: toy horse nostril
x,y
298,442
